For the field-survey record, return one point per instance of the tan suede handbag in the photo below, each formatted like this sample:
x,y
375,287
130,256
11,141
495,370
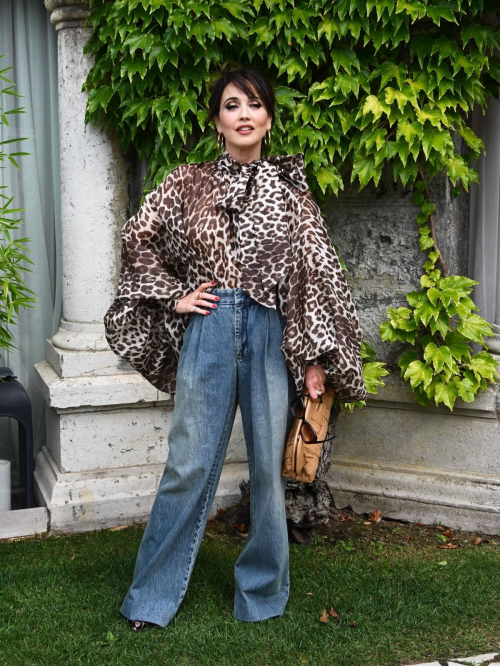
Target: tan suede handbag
x,y
307,434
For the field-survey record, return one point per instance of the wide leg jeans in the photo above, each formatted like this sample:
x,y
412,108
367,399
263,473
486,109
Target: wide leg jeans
x,y
231,356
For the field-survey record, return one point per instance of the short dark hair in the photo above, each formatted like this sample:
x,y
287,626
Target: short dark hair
x,y
249,80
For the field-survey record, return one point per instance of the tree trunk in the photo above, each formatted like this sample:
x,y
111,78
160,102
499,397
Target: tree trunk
x,y
307,504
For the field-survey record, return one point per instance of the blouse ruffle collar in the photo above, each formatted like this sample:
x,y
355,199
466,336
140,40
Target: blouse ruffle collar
x,y
289,167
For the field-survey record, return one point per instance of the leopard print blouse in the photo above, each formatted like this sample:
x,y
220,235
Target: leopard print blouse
x,y
253,225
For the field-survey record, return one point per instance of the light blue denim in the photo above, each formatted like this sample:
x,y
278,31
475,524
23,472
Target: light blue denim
x,y
228,357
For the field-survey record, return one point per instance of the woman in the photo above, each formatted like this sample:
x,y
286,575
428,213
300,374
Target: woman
x,y
230,293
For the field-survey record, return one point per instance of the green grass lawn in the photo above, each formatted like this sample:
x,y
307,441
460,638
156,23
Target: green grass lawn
x,y
398,596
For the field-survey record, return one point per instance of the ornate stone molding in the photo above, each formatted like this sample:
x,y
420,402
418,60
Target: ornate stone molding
x,y
68,13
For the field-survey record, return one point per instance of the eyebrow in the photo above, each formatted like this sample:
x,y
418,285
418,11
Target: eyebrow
x,y
230,98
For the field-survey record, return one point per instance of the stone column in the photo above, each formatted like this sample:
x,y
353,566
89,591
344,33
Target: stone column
x,y
106,426
93,193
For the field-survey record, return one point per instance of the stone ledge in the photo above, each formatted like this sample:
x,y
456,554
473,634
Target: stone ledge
x,y
398,390
85,363
23,522
460,500
95,390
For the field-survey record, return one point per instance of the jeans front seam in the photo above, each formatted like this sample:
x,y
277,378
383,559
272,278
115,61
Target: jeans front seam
x,y
208,490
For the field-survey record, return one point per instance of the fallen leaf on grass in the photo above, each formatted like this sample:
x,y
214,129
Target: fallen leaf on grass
x,y
240,526
375,517
449,534
332,612
440,527
110,638
324,617
119,527
73,557
449,545
219,513
352,624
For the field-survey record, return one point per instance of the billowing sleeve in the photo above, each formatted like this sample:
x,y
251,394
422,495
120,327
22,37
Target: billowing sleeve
x,y
322,325
141,325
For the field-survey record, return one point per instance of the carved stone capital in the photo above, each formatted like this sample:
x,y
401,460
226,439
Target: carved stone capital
x,y
68,13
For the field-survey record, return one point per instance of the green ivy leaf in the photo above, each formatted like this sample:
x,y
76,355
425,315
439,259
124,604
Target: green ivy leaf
x,y
441,323
402,318
367,351
418,373
372,373
414,8
237,9
375,106
139,41
389,333
405,360
438,356
99,98
442,9
425,311
479,33
446,392
329,176
345,58
484,365
474,327
293,65
458,348
462,285
466,388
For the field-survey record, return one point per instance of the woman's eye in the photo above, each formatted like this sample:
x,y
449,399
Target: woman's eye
x,y
233,106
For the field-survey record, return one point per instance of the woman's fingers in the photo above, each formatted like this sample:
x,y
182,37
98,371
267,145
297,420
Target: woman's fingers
x,y
315,380
192,303
205,300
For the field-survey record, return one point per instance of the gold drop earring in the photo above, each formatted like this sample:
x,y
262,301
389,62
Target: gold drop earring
x,y
219,134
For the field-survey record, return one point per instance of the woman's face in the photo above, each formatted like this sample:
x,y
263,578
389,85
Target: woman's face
x,y
236,111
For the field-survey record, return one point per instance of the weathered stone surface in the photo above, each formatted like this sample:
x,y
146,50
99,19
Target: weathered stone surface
x,y
376,233
84,501
23,522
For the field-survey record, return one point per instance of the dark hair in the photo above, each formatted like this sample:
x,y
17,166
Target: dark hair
x,y
248,80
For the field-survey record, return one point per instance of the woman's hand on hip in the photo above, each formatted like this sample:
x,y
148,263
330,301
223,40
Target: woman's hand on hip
x,y
314,380
206,300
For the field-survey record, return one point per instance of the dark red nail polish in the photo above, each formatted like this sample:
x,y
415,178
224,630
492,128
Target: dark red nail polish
x,y
214,306
217,298
208,312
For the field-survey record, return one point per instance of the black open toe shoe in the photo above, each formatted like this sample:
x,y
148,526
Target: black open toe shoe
x,y
139,625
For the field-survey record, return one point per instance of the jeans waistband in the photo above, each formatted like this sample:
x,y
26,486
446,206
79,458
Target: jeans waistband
x,y
232,297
